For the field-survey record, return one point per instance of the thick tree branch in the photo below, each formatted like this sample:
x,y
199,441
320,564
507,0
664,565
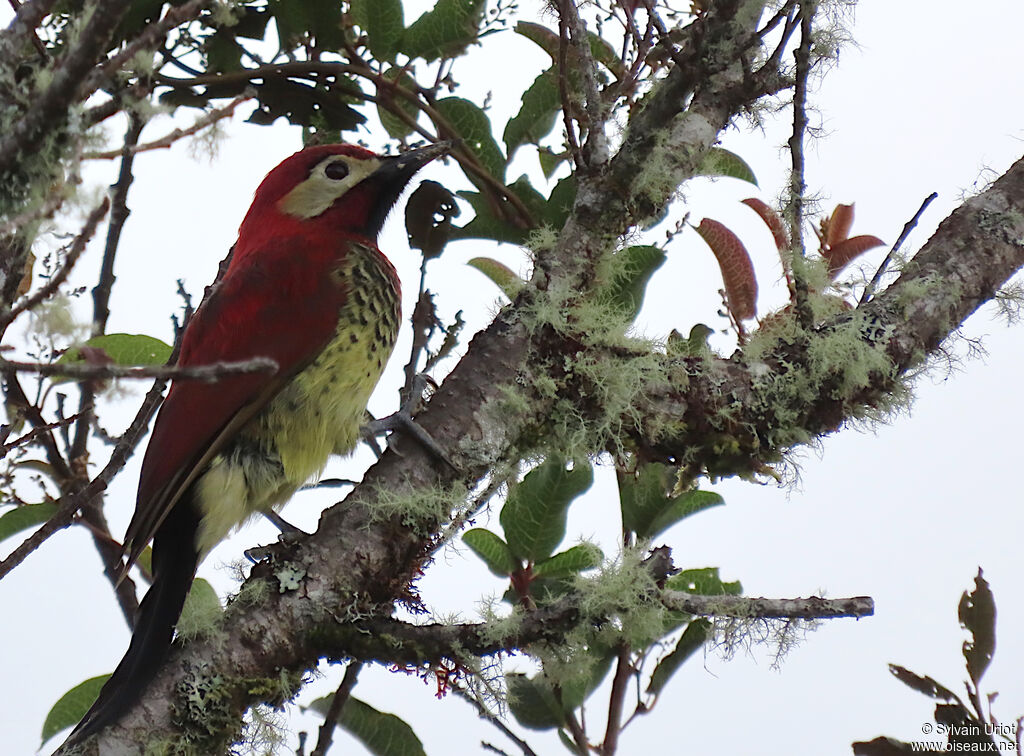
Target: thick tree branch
x,y
367,550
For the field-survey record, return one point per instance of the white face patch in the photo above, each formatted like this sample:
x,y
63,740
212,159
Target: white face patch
x,y
326,183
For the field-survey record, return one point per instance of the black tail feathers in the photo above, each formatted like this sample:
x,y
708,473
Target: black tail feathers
x,y
174,565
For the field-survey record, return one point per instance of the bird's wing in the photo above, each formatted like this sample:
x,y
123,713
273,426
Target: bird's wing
x,y
280,303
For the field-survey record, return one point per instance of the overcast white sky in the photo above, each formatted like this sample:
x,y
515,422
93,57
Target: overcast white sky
x,y
905,513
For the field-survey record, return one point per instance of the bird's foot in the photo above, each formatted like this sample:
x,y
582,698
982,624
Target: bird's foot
x,y
289,535
404,422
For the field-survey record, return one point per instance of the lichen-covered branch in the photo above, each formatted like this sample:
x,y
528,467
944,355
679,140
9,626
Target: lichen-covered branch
x,y
788,387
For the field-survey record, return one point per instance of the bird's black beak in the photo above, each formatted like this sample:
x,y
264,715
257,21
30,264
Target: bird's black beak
x,y
392,176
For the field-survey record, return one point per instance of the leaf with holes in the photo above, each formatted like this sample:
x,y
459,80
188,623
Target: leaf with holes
x,y
428,218
925,685
977,613
474,127
847,251
703,582
737,269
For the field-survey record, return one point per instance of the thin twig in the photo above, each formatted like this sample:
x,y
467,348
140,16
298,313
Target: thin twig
x,y
77,247
20,404
744,607
209,373
101,292
169,139
8,447
70,503
563,92
869,290
486,715
341,696
151,37
595,149
623,671
797,184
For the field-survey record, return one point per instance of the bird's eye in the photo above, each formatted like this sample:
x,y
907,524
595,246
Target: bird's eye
x,y
337,170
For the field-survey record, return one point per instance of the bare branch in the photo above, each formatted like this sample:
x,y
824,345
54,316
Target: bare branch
x,y
6,448
150,38
743,607
167,140
869,290
209,373
71,503
341,696
797,185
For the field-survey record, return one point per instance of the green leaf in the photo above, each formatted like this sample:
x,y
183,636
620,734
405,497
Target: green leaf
x,y
720,162
123,349
633,268
534,514
298,18
495,552
201,611
584,556
692,639
444,31
684,505
384,24
977,612
223,53
389,101
648,506
499,273
549,160
703,582
382,734
533,703
323,106
24,517
536,117
72,706
560,203
472,124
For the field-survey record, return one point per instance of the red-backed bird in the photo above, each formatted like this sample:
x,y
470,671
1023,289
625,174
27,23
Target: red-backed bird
x,y
308,288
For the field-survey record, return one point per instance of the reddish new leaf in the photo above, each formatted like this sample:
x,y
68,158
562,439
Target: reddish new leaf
x,y
771,219
841,254
737,270
839,225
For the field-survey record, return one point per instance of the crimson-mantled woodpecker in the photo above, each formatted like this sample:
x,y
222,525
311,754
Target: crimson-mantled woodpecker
x,y
307,287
